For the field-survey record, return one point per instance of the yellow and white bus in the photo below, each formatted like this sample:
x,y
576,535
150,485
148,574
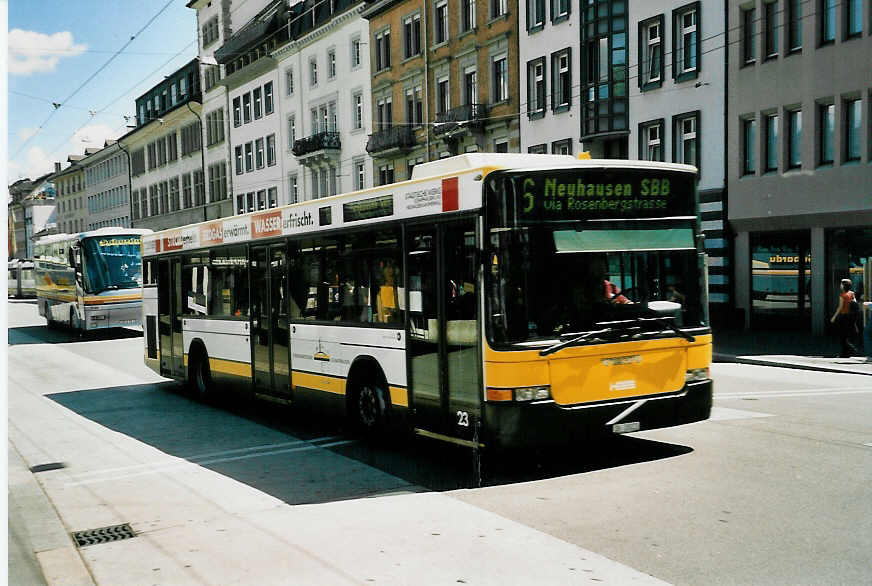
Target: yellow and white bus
x,y
493,299
20,278
90,280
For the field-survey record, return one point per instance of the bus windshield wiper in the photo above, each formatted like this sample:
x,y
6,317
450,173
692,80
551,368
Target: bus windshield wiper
x,y
573,341
666,323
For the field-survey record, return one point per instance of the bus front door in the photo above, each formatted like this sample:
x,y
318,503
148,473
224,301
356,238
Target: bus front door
x,y
269,321
444,338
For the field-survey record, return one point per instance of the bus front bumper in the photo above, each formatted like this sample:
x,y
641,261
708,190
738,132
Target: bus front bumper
x,y
517,425
117,315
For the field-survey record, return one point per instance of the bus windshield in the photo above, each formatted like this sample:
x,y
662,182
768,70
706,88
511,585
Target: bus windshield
x,y
562,260
112,262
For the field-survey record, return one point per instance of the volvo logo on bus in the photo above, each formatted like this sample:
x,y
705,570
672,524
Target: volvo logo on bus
x,y
616,360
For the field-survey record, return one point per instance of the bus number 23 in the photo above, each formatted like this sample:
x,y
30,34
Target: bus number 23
x,y
463,419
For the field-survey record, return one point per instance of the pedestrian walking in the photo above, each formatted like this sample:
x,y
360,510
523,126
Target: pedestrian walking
x,y
845,319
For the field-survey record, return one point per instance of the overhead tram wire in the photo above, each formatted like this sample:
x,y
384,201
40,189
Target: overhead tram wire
x,y
87,81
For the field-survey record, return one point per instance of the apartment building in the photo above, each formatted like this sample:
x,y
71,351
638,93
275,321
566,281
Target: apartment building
x,y
325,100
676,83
215,20
107,187
70,202
166,154
444,81
799,166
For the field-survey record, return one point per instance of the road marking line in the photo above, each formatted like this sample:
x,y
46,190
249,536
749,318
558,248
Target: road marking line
x,y
181,462
797,393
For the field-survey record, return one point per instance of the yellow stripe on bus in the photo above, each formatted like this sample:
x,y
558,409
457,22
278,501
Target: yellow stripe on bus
x,y
318,382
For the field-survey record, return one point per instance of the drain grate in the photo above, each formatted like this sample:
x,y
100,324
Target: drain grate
x,y
103,535
49,466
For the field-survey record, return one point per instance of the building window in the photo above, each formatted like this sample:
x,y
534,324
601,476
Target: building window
x,y
651,141
384,113
272,196
383,50
536,88
293,194
249,201
853,18
686,139
560,10
313,72
827,20
386,174
261,199
268,98
238,153
771,142
355,52
412,36
258,106
210,31
237,112
246,108
852,130
249,157
749,39
562,147
271,150
749,143
500,79
440,22
538,149
258,153
561,85
501,145
443,96
470,85
826,122
331,64
794,25
467,15
686,52
289,81
359,175
770,29
535,15
794,142
497,8
651,53
292,131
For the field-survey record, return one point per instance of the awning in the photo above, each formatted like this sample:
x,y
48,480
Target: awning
x,y
631,240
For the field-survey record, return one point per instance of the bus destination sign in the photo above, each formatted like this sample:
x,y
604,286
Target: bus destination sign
x,y
581,194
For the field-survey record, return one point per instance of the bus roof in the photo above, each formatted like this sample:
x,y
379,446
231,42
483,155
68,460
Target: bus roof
x,y
469,161
99,232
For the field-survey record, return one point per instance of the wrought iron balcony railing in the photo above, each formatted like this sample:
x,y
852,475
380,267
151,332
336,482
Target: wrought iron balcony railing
x,y
394,137
316,142
469,116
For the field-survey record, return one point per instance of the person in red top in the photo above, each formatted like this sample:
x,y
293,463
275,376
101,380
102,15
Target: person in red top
x,y
845,319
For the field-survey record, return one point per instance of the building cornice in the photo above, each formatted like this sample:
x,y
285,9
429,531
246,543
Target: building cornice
x,y
338,21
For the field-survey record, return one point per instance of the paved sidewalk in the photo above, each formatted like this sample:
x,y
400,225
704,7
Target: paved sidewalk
x,y
788,350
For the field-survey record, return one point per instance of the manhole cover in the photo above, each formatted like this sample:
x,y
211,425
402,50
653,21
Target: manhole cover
x,y
103,535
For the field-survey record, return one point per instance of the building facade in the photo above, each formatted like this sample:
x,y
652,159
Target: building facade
x,y
107,187
72,212
676,106
325,97
165,151
800,179
444,81
214,25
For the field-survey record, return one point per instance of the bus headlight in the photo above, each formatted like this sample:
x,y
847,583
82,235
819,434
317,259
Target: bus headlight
x,y
696,374
537,393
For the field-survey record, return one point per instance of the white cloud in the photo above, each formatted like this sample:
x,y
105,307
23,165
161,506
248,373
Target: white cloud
x,y
33,52
36,164
93,136
26,133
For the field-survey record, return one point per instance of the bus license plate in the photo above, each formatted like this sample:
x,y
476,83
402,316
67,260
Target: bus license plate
x,y
626,427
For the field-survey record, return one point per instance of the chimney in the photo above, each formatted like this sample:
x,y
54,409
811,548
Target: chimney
x,y
57,167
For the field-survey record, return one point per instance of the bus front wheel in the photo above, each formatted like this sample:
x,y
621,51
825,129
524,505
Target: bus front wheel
x,y
370,407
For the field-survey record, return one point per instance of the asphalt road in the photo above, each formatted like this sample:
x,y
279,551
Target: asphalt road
x,y
774,489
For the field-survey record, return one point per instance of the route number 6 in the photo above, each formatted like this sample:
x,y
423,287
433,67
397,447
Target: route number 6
x,y
463,419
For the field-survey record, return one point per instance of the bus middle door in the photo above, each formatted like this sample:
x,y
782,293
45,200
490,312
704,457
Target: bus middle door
x,y
269,321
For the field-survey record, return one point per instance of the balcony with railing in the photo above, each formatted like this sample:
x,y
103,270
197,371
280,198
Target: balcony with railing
x,y
319,144
395,137
470,116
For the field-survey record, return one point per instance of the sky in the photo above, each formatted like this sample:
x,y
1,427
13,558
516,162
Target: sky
x,y
55,107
